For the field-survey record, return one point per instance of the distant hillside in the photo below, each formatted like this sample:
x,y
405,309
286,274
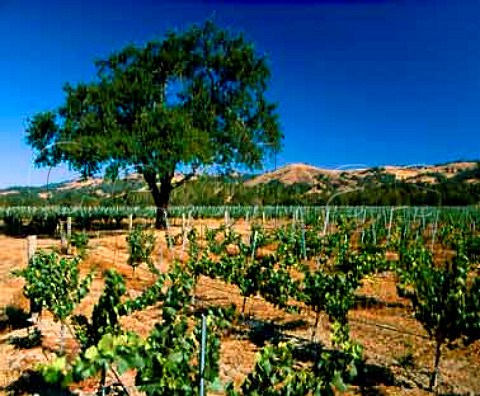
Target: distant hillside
x,y
456,183
348,178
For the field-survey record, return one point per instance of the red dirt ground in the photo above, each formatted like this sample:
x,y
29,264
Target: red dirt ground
x,y
384,324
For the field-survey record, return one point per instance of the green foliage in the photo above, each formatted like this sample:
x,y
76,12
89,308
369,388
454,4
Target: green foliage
x,y
332,290
276,373
13,224
277,285
54,282
444,302
169,352
121,351
410,259
141,244
332,293
129,118
150,296
79,241
472,248
172,348
472,312
105,315
111,306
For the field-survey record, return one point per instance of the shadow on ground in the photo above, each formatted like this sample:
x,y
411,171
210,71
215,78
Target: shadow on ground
x,y
363,301
31,340
32,383
14,318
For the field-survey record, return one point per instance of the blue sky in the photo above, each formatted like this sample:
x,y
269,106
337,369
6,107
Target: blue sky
x,y
357,82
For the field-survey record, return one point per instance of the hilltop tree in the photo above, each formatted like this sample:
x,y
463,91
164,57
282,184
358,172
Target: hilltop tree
x,y
195,98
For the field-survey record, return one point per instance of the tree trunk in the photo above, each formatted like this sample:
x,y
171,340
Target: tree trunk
x,y
161,196
314,332
103,381
433,378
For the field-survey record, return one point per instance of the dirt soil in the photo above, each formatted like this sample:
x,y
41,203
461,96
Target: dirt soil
x,y
398,351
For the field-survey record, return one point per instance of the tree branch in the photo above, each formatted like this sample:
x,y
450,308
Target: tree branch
x,y
186,178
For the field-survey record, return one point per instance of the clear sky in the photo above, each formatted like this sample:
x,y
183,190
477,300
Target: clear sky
x,y
357,82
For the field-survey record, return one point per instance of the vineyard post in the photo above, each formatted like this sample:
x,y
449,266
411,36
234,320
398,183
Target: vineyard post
x,y
190,220
254,243
327,215
63,238
69,233
435,228
227,219
390,224
130,222
184,234
167,232
304,244
31,246
362,226
203,348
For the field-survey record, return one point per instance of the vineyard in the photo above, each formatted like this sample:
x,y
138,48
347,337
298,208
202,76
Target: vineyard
x,y
241,301
45,219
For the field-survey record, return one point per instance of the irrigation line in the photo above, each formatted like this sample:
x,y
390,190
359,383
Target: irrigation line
x,y
360,321
390,328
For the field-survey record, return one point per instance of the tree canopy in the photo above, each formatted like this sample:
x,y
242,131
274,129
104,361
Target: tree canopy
x,y
192,99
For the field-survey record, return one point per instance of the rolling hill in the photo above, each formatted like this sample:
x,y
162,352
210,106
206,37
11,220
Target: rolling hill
x,y
296,181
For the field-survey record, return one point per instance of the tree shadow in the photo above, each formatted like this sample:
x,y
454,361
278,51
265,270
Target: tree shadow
x,y
308,351
454,394
32,382
371,375
262,331
14,318
31,340
297,324
372,391
368,377
365,302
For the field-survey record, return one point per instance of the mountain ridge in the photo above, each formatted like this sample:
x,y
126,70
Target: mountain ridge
x,y
300,179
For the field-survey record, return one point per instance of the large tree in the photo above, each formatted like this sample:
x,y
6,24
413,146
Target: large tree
x,y
193,99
